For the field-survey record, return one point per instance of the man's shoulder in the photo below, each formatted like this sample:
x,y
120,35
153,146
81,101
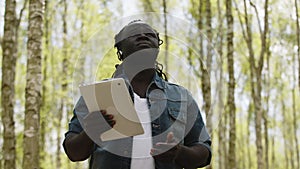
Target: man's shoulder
x,y
174,85
175,88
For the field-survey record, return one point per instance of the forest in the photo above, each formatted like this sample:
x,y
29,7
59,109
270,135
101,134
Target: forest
x,y
239,59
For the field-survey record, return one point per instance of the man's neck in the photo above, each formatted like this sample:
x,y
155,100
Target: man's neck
x,y
141,81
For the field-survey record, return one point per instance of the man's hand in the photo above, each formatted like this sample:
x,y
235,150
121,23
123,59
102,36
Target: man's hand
x,y
108,117
166,151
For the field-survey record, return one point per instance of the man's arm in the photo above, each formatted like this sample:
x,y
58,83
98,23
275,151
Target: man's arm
x,y
77,144
192,157
78,147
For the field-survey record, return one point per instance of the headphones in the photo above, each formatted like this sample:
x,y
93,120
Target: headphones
x,y
119,54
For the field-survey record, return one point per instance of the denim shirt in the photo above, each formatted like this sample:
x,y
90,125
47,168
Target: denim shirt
x,y
172,109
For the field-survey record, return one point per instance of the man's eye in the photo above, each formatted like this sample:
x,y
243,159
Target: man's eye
x,y
151,35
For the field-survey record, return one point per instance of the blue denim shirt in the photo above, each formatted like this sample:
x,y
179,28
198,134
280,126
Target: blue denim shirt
x,y
172,108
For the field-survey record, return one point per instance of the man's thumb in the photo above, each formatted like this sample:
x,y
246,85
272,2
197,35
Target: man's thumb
x,y
170,137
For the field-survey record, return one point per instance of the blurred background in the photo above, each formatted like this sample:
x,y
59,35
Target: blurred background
x,y
239,59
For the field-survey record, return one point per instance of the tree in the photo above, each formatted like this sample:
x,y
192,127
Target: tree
x,y
256,74
166,35
294,110
206,66
33,85
231,87
205,58
64,85
44,106
9,47
298,41
10,52
222,150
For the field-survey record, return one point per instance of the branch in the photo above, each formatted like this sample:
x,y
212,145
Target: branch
x,y
298,40
249,39
149,6
21,14
240,19
258,20
264,38
219,32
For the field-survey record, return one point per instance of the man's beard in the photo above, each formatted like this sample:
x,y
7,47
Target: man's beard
x,y
139,61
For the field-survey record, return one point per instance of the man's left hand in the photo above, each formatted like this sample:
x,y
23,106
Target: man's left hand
x,y
166,151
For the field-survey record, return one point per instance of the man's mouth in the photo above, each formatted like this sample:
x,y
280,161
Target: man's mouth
x,y
144,43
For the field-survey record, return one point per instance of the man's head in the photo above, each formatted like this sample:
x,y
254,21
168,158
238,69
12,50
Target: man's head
x,y
135,36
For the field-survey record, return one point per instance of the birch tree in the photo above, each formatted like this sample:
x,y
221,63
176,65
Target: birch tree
x,y
222,150
64,84
231,87
10,52
33,85
9,47
298,40
205,76
256,75
298,56
166,35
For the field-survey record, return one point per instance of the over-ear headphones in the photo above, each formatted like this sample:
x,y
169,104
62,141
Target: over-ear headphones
x,y
119,54
160,42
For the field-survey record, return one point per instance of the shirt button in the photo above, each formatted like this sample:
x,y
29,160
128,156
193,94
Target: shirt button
x,y
125,152
155,125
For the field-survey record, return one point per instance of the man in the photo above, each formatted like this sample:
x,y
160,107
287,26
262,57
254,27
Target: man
x,y
175,135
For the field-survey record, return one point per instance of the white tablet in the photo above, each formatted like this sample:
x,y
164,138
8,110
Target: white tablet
x,y
113,96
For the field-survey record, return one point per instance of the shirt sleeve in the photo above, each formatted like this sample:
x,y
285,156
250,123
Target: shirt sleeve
x,y
74,125
196,132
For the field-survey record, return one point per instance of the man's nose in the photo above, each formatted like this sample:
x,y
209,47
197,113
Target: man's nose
x,y
143,36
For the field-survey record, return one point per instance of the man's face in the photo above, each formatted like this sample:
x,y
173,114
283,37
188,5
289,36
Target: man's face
x,y
142,38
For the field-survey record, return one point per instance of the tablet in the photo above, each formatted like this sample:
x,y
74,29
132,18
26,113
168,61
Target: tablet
x,y
113,96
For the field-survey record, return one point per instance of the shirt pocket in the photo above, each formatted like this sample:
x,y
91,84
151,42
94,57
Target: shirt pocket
x,y
177,122
176,115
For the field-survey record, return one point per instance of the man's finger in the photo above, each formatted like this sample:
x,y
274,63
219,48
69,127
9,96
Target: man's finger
x,y
170,137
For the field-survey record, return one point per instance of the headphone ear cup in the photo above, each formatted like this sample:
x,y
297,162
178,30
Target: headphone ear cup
x,y
120,56
160,42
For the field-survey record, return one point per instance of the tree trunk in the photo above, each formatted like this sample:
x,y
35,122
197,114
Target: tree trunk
x,y
298,44
284,132
205,61
249,159
206,74
298,56
222,129
82,42
166,36
265,112
256,79
231,87
33,85
64,85
9,48
295,126
44,105
273,163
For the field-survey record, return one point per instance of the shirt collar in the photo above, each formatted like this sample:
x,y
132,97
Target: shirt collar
x,y
159,82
